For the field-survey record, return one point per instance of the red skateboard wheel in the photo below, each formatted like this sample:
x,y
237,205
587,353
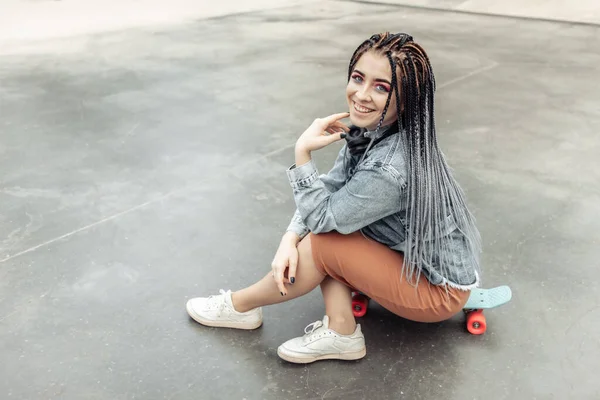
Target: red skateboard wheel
x,y
476,322
359,304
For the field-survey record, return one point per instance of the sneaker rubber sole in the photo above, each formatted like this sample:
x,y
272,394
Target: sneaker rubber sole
x,y
221,324
355,355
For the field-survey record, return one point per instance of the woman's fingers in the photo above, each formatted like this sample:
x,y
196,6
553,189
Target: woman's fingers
x,y
292,268
278,277
340,125
279,282
337,127
335,117
337,136
329,138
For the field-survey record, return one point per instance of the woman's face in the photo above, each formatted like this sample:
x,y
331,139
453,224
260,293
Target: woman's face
x,y
368,90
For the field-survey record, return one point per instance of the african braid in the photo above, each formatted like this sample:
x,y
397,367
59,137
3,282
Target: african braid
x,y
435,202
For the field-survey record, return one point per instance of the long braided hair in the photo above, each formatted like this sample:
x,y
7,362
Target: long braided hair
x,y
435,203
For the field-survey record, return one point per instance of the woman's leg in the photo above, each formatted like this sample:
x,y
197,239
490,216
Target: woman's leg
x,y
265,292
338,306
376,270
337,336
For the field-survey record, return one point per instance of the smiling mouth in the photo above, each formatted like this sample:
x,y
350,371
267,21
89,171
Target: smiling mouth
x,y
361,109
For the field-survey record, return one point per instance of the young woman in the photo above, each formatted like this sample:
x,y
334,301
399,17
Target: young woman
x,y
388,220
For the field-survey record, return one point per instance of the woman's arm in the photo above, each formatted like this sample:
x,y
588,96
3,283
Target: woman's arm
x,y
371,194
332,181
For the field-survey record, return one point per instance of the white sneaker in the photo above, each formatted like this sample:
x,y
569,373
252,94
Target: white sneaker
x,y
322,343
218,311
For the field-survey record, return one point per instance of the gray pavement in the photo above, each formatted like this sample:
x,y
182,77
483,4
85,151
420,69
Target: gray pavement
x,y
578,12
145,166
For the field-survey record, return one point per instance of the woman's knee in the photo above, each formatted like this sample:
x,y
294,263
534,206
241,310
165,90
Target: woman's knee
x,y
305,249
306,254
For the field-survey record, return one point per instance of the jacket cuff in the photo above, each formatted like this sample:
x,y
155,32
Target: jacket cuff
x,y
302,176
298,230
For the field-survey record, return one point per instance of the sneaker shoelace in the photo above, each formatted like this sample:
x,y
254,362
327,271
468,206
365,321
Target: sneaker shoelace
x,y
217,301
312,329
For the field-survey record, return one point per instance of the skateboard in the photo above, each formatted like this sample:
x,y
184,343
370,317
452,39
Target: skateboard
x,y
479,300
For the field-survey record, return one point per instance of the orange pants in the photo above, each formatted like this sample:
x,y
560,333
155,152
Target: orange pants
x,y
375,270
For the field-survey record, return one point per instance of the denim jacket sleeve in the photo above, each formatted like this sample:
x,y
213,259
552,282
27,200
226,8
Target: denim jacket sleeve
x,y
373,192
332,181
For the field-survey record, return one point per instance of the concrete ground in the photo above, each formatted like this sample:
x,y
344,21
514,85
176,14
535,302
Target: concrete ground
x,y
580,11
143,166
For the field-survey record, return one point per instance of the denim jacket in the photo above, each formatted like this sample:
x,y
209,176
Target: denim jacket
x,y
367,196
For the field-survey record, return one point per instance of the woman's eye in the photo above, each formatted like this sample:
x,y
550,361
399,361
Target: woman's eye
x,y
357,78
382,88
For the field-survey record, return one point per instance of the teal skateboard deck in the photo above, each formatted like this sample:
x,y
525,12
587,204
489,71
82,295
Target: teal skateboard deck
x,y
481,299
488,298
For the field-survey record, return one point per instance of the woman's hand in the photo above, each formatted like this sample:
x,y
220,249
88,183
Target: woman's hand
x,y
322,132
286,258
